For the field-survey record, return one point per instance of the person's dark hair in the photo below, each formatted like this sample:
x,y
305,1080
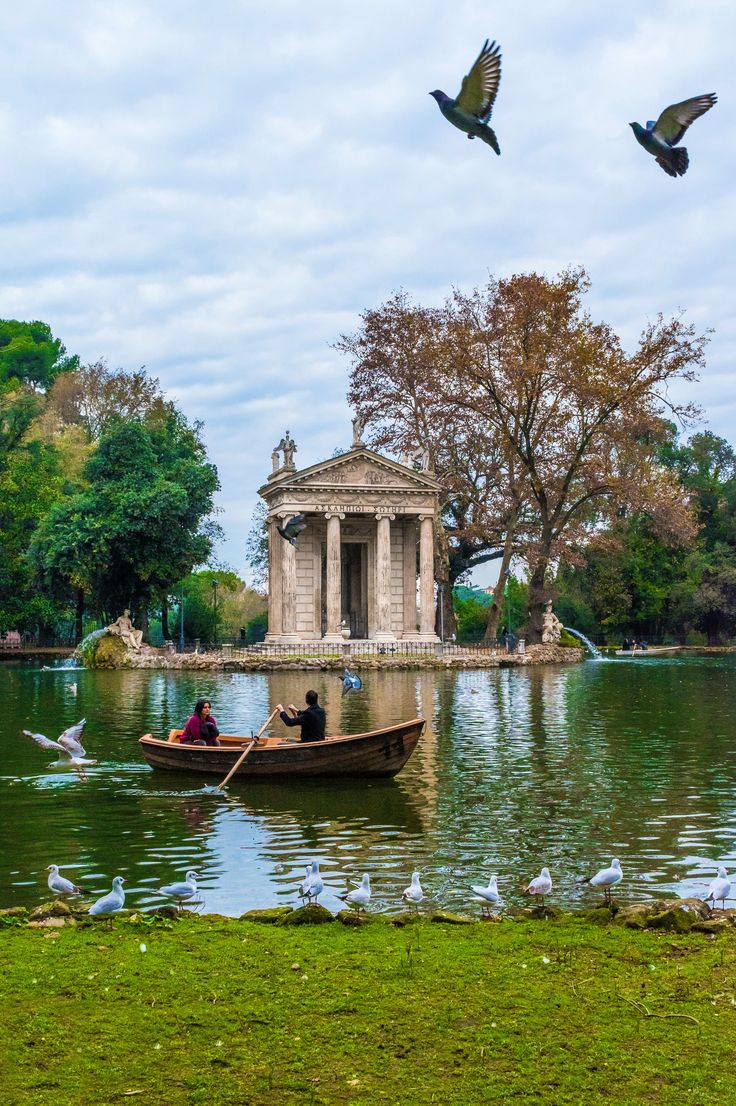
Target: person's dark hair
x,y
200,705
311,698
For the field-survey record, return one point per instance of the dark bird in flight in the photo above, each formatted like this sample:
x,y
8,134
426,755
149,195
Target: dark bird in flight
x,y
472,109
292,529
660,138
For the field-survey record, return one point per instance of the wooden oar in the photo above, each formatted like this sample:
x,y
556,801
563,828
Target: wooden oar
x,y
252,745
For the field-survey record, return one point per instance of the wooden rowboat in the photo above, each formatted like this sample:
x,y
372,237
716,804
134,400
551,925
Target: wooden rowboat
x,y
378,753
650,651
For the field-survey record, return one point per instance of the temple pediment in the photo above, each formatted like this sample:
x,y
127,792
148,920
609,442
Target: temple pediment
x,y
359,469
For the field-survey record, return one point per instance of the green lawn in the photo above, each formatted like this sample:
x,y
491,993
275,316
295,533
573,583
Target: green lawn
x,y
218,1011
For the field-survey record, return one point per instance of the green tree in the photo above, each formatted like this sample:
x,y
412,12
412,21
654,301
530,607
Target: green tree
x,y
29,353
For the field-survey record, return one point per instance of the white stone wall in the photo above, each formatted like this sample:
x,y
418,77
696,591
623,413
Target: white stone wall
x,y
305,584
397,578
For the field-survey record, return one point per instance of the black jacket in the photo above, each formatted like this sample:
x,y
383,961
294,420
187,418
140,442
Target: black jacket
x,y
312,721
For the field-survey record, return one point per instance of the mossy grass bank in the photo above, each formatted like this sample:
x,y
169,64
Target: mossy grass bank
x,y
219,1011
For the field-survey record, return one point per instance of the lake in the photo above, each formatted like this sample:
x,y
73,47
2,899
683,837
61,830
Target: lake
x,y
517,768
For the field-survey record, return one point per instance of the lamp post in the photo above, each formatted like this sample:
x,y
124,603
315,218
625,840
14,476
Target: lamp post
x,y
181,621
441,589
215,585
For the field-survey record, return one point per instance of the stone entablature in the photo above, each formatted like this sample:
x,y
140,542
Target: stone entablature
x,y
361,573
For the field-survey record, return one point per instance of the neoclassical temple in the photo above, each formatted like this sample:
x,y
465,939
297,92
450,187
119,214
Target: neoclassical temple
x,y
355,563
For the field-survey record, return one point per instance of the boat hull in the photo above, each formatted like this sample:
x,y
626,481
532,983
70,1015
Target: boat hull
x,y
378,753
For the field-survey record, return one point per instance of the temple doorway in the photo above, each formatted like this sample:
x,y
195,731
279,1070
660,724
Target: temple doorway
x,y
353,588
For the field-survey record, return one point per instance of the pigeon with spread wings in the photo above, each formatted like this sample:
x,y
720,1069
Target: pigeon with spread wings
x,y
472,108
661,136
69,746
292,529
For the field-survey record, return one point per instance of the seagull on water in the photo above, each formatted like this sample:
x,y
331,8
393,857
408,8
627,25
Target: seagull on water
x,y
312,885
350,682
489,895
540,886
719,890
181,891
61,885
112,902
606,878
360,896
413,893
69,746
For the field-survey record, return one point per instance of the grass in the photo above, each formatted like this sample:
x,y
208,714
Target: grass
x,y
218,1011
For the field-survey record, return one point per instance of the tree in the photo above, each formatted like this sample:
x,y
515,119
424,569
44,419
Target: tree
x,y
30,354
92,395
583,418
143,522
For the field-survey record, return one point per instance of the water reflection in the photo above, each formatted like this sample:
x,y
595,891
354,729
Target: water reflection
x,y
563,766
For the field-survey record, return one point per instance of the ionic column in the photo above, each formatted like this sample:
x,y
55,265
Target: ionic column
x,y
383,579
426,579
288,577
410,578
275,589
333,599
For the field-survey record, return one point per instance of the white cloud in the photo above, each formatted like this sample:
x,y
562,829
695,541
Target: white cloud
x,y
216,192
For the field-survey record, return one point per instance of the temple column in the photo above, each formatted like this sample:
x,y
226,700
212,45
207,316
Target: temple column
x,y
383,579
410,578
426,579
275,586
333,599
288,578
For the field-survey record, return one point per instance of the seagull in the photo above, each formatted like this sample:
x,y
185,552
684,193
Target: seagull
x,y
489,894
312,885
292,529
112,902
472,109
69,746
413,893
720,889
360,895
181,891
541,885
658,138
606,878
59,884
350,682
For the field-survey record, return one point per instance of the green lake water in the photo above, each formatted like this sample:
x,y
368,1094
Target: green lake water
x,y
517,768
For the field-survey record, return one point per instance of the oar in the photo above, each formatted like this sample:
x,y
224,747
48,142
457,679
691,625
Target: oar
x,y
252,745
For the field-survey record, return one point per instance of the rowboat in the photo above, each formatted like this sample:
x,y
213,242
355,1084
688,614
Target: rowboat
x,y
377,753
650,651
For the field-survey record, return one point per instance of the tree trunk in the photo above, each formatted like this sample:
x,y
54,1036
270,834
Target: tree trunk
x,y
79,616
165,618
144,621
494,611
446,624
537,600
443,576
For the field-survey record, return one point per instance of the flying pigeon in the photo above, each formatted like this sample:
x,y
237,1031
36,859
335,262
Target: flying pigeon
x,y
541,885
659,138
61,885
360,895
720,889
472,109
113,901
606,878
312,885
350,682
181,891
489,894
69,746
413,893
292,529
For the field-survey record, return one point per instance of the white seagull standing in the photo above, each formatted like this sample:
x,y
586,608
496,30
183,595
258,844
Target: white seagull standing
x,y
606,878
69,747
541,885
181,891
112,902
720,889
360,896
413,893
312,885
61,885
489,895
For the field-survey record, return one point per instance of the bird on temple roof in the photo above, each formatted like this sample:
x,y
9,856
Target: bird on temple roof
x,y
472,108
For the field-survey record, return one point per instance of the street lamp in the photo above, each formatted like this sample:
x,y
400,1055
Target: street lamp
x,y
215,585
181,621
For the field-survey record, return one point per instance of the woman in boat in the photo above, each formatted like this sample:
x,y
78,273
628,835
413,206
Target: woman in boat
x,y
201,729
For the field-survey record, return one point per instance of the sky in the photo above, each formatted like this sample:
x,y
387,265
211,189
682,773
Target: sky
x,y
217,191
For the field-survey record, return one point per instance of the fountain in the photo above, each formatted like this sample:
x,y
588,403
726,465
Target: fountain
x,y
594,652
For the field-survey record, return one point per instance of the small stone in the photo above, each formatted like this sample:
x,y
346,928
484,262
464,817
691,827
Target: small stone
x,y
353,918
14,912
451,919
51,923
307,916
269,916
56,909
